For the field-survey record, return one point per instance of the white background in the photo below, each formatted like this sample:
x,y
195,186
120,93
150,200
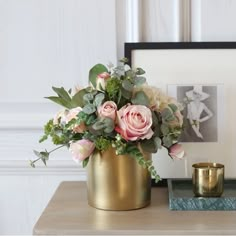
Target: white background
x,y
46,43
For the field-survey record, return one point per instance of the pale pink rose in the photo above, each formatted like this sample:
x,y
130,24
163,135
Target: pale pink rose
x,y
176,151
108,109
102,80
134,122
81,149
72,114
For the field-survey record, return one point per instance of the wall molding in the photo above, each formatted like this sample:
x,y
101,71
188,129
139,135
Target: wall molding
x,y
15,168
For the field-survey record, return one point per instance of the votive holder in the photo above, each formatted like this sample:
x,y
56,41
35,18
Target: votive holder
x,y
208,179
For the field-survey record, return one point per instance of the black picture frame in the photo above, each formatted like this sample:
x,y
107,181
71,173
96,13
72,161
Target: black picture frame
x,y
181,48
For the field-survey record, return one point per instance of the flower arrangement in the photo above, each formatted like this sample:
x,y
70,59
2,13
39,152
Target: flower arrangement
x,y
118,109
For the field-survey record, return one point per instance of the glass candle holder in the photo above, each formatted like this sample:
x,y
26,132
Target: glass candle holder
x,y
208,179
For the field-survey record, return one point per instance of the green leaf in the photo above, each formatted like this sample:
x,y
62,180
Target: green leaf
x,y
167,115
165,129
126,85
62,93
158,142
99,99
89,109
167,141
85,162
60,101
173,107
151,145
90,120
126,94
139,80
77,99
105,124
95,71
88,97
140,98
140,71
124,60
44,156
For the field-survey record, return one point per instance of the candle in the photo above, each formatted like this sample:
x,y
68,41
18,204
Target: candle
x,y
208,179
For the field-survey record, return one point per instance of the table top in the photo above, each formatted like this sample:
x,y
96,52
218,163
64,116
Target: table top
x,y
69,214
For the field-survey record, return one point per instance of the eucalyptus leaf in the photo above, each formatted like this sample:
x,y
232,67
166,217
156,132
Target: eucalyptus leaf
x,y
94,72
173,107
99,125
149,146
88,97
124,60
99,99
125,93
126,84
89,109
167,141
104,124
165,129
140,71
139,80
140,98
168,115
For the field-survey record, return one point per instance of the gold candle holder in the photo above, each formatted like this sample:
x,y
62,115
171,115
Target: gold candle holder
x,y
208,179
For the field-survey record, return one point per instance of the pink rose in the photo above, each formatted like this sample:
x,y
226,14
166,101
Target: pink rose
x,y
81,149
134,122
176,151
72,114
101,80
108,109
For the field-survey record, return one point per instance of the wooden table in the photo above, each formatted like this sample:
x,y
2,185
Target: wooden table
x,y
69,214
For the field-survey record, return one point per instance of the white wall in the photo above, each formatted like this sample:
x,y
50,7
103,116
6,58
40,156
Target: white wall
x,y
46,43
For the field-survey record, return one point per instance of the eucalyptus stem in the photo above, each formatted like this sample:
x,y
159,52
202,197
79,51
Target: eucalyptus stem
x,y
44,156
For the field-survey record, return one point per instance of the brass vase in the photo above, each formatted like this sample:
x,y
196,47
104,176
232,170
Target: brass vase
x,y
117,182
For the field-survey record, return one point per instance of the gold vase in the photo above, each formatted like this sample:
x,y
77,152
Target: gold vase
x,y
117,182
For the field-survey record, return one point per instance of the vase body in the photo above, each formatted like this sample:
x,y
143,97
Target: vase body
x,y
117,182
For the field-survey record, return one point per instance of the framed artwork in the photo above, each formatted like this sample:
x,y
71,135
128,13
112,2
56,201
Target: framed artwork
x,y
186,71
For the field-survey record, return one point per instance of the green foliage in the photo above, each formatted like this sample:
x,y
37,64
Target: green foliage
x,y
104,125
124,60
77,99
139,80
140,98
140,71
48,127
133,151
89,109
102,144
98,100
63,98
151,145
95,71
44,156
113,88
167,115
173,107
